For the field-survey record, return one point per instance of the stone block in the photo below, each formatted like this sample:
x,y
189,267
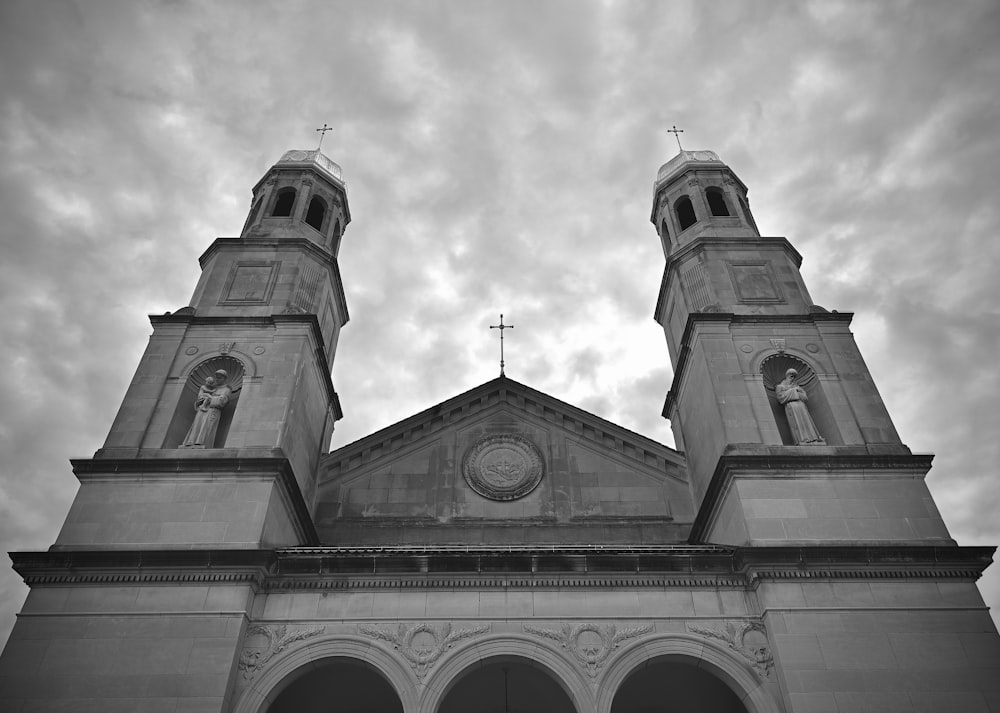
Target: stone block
x,y
863,651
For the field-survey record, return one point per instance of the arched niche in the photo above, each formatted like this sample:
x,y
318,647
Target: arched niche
x,y
349,653
186,411
693,675
772,370
482,665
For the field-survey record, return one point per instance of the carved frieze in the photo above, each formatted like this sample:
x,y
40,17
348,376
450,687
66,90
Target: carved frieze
x,y
590,644
747,638
263,643
503,467
422,644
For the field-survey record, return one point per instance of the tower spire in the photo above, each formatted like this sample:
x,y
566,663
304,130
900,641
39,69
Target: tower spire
x,y
677,132
501,327
322,134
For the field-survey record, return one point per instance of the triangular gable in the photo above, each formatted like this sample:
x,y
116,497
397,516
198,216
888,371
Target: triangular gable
x,y
419,481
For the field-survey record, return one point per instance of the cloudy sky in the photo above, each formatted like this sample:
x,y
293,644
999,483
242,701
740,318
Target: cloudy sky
x,y
499,158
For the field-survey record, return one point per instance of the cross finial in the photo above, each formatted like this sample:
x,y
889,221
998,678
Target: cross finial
x,y
501,327
676,132
322,134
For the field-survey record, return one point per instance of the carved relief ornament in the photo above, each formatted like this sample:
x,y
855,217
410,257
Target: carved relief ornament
x,y
271,640
422,644
590,644
503,467
747,638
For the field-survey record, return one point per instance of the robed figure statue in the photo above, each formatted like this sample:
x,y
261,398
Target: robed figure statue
x,y
213,396
794,398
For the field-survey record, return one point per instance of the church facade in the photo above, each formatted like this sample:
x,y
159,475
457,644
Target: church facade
x,y
503,551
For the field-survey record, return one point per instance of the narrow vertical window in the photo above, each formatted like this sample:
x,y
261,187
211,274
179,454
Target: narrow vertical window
x,y
716,202
316,212
283,205
685,213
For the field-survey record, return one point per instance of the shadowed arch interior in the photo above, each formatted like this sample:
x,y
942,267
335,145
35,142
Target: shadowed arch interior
x,y
337,684
665,686
513,685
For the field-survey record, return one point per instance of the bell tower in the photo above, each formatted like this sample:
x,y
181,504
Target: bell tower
x,y
786,436
218,438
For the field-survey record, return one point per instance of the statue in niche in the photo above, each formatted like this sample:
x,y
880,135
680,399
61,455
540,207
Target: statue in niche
x,y
213,396
794,398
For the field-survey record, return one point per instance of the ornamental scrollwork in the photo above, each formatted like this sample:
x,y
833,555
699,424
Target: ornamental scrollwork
x,y
421,644
747,638
590,644
272,640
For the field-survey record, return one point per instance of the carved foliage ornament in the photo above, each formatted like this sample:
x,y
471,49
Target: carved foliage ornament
x,y
747,638
263,643
421,644
590,644
503,467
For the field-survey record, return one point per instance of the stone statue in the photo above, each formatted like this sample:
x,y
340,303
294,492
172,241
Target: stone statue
x,y
212,398
794,399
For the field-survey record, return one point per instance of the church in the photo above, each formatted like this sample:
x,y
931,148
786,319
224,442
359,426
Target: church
x,y
503,551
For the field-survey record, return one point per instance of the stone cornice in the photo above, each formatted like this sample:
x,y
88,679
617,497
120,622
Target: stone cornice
x,y
585,425
778,460
190,318
676,566
222,463
696,318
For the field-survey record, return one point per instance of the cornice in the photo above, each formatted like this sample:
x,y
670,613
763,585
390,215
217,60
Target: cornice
x,y
696,318
502,390
677,566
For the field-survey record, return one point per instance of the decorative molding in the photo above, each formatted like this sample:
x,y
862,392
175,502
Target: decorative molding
x,y
733,635
591,644
278,638
504,466
422,644
779,344
226,347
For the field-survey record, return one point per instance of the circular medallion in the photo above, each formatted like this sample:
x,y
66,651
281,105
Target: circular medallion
x,y
258,350
746,349
191,350
503,467
812,348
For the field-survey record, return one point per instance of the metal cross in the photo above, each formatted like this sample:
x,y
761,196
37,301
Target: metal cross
x,y
501,327
322,134
676,132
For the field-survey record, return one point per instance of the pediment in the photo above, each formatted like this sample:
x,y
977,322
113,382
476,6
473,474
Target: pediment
x,y
503,462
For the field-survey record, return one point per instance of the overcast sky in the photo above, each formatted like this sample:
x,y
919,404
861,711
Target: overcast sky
x,y
499,158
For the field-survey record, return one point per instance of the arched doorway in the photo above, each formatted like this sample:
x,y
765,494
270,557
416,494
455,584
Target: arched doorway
x,y
506,685
665,686
336,685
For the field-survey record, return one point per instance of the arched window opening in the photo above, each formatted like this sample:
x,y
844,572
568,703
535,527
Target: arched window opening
x,y
316,213
687,687
800,420
685,213
283,205
716,202
664,232
206,405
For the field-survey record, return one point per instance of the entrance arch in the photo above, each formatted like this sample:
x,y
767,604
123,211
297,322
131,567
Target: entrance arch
x,y
683,668
554,681
349,653
335,685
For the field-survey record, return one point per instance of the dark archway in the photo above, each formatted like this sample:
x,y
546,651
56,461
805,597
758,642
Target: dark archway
x,y
528,688
671,687
337,685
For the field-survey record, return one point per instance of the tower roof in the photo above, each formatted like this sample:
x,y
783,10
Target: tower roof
x,y
677,165
314,159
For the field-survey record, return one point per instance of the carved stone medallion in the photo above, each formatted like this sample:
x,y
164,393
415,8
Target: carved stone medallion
x,y
422,644
747,638
262,643
590,644
503,467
